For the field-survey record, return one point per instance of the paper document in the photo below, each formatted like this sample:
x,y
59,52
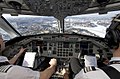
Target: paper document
x,y
90,61
29,59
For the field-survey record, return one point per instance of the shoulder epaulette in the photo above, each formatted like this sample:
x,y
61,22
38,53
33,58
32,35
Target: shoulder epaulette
x,y
89,68
5,68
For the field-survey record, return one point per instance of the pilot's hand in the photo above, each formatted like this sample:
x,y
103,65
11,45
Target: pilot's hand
x,y
22,50
65,73
53,62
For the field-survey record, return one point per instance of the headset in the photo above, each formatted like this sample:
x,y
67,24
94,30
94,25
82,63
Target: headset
x,y
112,37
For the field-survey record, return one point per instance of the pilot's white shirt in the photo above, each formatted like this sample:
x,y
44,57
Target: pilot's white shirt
x,y
18,72
98,73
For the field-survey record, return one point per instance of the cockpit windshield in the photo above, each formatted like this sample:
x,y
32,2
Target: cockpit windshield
x,y
88,24
32,25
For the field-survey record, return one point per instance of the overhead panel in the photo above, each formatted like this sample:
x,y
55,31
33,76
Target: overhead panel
x,y
58,8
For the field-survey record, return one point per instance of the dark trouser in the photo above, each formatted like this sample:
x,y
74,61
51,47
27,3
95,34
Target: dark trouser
x,y
75,67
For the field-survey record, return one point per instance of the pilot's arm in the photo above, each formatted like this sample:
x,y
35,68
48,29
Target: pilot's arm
x,y
18,72
81,75
47,73
14,59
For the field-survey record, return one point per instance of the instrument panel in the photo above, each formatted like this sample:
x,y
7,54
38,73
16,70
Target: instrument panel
x,y
56,45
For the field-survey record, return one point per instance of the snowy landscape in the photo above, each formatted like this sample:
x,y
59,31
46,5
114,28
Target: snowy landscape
x,y
93,25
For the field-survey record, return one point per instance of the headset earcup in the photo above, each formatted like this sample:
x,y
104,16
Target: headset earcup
x,y
112,38
118,35
114,35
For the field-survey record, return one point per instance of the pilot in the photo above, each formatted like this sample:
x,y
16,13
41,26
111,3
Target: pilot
x,y
10,71
112,71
